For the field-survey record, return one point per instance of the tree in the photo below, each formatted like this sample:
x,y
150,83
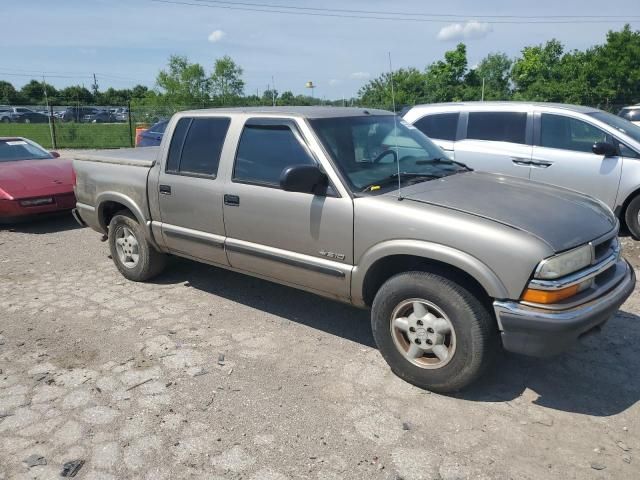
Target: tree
x,y
495,69
8,93
183,82
76,94
226,80
536,75
33,92
408,86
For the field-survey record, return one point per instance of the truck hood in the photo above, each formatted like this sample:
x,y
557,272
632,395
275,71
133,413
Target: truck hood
x,y
562,218
30,178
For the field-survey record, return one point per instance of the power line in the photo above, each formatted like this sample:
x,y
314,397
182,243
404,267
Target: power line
x,y
383,12
328,13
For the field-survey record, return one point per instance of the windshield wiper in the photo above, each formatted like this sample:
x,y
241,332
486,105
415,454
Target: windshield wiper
x,y
394,178
444,160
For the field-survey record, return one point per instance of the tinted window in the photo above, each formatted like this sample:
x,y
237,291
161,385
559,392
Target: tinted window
x,y
265,151
159,127
498,126
173,158
202,146
631,114
442,126
566,133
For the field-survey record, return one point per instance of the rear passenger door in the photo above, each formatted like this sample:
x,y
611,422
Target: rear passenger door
x,y
442,128
298,238
499,142
189,192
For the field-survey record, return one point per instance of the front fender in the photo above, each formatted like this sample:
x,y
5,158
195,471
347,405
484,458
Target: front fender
x,y
430,251
117,197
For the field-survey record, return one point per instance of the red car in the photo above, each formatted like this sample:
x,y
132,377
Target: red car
x,y
33,181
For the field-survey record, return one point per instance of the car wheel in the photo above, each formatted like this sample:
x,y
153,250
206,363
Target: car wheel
x,y
433,332
136,259
632,217
6,120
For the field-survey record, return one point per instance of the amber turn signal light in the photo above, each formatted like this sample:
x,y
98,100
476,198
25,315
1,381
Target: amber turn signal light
x,y
549,296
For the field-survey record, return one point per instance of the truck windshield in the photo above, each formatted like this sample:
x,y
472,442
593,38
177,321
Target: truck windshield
x,y
18,149
367,150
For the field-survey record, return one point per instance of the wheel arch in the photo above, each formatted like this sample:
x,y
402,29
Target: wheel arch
x,y
383,261
109,203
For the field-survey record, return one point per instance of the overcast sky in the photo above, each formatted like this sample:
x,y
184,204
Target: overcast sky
x,y
127,41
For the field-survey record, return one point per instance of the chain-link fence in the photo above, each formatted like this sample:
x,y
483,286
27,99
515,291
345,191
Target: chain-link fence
x,y
87,126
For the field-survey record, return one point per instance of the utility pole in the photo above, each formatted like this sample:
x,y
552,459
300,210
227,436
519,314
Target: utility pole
x,y
482,96
50,114
95,85
273,90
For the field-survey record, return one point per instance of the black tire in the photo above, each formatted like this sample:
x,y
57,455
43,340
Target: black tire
x,y
476,334
150,262
631,217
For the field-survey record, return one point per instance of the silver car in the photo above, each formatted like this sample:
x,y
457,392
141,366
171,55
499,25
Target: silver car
x,y
580,148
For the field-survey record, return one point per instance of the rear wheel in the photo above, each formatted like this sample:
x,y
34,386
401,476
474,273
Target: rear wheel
x,y
134,256
632,217
433,332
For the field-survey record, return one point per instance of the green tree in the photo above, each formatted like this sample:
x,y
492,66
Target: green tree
x,y
495,69
76,94
226,80
408,85
33,92
536,75
8,93
183,82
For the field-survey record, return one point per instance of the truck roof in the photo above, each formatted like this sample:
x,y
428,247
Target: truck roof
x,y
303,112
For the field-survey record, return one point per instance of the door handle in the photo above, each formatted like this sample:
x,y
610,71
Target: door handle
x,y
523,162
541,164
165,189
232,200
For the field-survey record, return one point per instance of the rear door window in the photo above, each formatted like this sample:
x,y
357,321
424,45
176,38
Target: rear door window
x,y
196,146
441,126
498,126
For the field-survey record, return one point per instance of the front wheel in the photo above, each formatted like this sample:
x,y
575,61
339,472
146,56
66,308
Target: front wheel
x,y
136,259
632,217
433,332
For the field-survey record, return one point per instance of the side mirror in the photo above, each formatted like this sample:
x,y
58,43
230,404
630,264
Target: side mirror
x,y
604,148
55,154
304,179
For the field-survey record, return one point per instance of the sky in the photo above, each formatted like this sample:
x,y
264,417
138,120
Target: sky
x,y
126,42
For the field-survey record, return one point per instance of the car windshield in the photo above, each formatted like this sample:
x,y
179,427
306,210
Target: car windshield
x,y
369,151
620,124
18,149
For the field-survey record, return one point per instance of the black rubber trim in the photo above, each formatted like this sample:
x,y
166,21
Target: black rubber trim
x,y
333,272
193,238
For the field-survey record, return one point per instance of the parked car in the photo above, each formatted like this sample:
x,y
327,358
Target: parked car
x,y
451,262
631,113
580,148
33,181
99,116
22,115
5,112
122,114
77,114
152,137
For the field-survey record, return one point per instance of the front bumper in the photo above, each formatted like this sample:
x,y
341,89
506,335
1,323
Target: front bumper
x,y
12,210
541,332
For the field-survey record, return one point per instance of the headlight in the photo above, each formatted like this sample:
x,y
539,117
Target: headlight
x,y
565,263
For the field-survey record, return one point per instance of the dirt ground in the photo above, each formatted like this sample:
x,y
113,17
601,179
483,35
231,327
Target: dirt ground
x,y
209,374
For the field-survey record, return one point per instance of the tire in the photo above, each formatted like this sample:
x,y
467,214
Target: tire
x,y
6,120
125,249
471,344
631,217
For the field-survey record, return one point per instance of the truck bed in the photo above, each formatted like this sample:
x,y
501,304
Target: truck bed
x,y
135,157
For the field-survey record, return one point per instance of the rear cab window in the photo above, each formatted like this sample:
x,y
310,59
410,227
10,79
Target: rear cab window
x,y
508,127
196,146
440,126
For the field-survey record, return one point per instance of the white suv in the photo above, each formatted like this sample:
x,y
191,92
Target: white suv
x,y
580,148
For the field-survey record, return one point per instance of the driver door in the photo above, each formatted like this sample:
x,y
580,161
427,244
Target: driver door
x,y
295,238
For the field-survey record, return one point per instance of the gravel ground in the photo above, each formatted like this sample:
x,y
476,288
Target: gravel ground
x,y
205,373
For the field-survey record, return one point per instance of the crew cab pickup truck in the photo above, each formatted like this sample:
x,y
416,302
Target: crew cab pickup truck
x,y
361,207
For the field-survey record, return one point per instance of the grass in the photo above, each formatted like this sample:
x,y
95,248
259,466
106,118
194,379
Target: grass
x,y
72,135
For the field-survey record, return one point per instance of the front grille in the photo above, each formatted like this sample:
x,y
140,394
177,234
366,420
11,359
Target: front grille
x,y
604,249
